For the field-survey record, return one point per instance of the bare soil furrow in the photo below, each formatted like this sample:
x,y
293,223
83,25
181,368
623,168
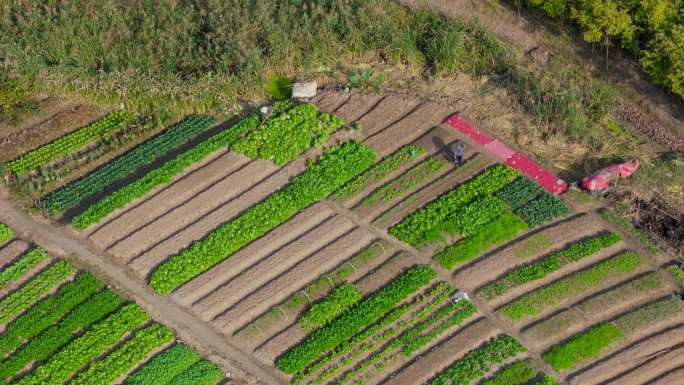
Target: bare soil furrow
x,y
654,328
268,327
553,276
11,251
268,268
633,355
372,210
158,202
410,127
381,275
563,324
504,258
661,362
268,351
239,198
670,378
389,111
330,100
357,107
278,289
250,254
426,195
424,367
191,211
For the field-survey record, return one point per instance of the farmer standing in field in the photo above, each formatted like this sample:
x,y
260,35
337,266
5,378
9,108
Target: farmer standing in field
x,y
458,153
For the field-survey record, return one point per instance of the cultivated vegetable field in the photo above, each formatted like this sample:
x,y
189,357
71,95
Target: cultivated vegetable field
x,y
333,242
76,330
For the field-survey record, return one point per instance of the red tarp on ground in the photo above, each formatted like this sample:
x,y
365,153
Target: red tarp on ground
x,y
534,171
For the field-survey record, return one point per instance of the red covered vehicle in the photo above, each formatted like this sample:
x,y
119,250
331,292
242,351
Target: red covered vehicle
x,y
601,179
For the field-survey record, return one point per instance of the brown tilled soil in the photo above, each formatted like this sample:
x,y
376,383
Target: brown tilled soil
x,y
553,276
11,250
633,356
495,263
271,266
654,328
424,367
251,254
660,363
555,328
279,343
669,378
205,204
69,117
154,204
250,337
276,290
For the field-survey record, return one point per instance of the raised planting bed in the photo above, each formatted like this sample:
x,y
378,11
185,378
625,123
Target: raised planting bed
x,y
70,142
162,175
365,312
102,178
332,170
428,223
548,264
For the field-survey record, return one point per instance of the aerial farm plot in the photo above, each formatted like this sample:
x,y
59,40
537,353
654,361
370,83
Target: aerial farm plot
x,y
59,324
334,242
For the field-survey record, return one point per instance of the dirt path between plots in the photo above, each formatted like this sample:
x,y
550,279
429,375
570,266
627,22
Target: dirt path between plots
x,y
58,242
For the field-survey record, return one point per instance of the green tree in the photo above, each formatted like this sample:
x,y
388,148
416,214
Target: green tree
x,y
604,20
664,59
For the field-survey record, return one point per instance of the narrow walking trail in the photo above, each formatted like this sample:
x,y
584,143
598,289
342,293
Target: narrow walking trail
x,y
61,242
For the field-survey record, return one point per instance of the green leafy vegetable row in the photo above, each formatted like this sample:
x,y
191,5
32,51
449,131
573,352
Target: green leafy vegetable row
x,y
678,274
339,300
542,209
125,357
540,268
435,296
22,265
47,312
332,170
165,366
534,303
99,180
517,373
288,132
6,234
519,192
354,319
595,340
588,344
83,349
70,142
502,229
428,223
460,312
474,216
161,175
34,289
202,372
406,182
478,362
51,339
379,171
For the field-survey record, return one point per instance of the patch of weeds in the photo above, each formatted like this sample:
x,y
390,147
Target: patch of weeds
x,y
365,79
